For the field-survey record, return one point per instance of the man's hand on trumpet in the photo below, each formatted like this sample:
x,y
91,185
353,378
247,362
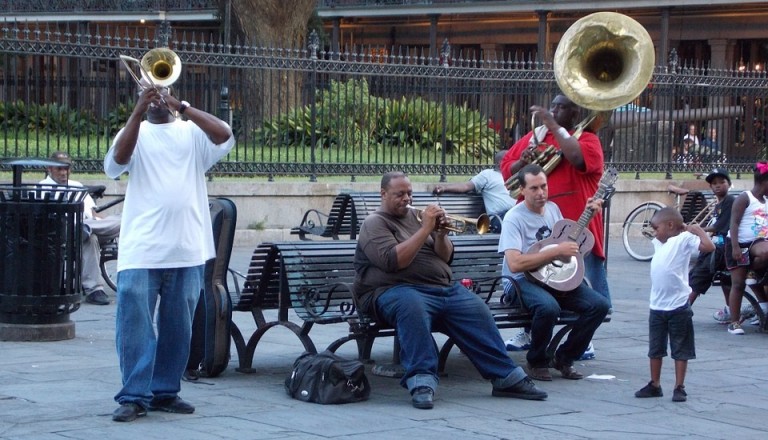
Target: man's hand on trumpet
x,y
433,217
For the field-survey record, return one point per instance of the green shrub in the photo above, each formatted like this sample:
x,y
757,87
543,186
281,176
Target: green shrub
x,y
349,117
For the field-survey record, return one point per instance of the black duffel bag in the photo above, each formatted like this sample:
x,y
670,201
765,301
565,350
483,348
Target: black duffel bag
x,y
327,378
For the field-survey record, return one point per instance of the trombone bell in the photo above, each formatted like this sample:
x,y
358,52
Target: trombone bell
x,y
160,67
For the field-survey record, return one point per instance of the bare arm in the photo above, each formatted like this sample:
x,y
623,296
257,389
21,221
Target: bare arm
x,y
214,127
126,143
569,145
706,244
737,212
464,187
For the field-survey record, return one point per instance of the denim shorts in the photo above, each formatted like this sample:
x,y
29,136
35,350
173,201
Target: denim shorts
x,y
730,263
675,326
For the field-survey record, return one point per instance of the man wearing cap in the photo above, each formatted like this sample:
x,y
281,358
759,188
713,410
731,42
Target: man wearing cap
x,y
98,230
707,263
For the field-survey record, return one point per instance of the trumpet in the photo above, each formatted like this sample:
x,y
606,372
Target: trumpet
x,y
460,224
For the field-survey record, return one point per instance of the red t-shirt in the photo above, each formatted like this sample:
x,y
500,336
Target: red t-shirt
x,y
569,188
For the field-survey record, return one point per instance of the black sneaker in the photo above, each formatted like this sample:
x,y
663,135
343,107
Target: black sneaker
x,y
649,391
172,405
679,395
423,398
525,389
97,297
128,412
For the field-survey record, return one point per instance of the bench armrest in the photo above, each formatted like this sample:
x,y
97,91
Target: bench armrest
x,y
237,278
314,226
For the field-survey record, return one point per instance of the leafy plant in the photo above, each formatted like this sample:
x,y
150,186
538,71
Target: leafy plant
x,y
348,116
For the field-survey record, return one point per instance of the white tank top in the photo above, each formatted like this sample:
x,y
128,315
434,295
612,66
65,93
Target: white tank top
x,y
754,223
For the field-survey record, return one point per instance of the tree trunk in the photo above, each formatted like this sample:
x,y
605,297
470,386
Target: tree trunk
x,y
279,24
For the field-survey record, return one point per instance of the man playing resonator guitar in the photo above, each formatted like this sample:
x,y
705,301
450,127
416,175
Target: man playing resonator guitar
x,y
571,182
524,225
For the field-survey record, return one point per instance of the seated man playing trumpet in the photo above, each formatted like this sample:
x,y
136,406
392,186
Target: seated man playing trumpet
x,y
404,280
524,225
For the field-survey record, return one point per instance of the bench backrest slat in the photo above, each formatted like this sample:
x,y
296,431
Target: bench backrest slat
x,y
468,205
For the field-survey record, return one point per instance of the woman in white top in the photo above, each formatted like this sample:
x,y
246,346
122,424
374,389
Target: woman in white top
x,y
749,248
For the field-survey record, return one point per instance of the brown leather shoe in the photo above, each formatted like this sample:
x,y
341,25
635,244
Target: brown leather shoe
x,y
538,373
568,371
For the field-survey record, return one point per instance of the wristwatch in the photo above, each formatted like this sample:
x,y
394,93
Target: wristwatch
x,y
183,106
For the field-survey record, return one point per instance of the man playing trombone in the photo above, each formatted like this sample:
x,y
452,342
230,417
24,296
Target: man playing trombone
x,y
165,241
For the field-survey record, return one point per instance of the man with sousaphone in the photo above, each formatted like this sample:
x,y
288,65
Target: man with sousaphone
x,y
543,254
603,61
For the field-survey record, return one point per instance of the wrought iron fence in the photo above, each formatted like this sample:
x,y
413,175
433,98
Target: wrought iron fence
x,y
64,6
306,111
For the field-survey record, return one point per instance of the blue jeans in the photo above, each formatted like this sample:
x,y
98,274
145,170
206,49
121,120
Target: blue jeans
x,y
594,270
416,310
152,364
545,306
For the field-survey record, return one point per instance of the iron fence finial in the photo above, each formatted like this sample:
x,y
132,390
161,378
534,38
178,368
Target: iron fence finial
x,y
314,44
445,52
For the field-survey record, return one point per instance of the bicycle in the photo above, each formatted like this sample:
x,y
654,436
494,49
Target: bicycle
x,y
636,231
109,249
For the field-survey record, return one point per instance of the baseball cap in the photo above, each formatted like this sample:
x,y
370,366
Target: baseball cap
x,y
61,156
722,172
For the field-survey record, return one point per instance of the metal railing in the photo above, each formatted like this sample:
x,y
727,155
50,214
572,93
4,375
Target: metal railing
x,y
366,110
64,6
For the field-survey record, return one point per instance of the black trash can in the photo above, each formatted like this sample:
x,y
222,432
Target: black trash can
x,y
41,231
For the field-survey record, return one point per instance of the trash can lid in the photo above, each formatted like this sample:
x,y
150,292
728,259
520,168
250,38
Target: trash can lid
x,y
35,163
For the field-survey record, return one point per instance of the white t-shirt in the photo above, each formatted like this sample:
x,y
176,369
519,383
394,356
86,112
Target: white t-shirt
x,y
88,203
669,271
166,221
522,228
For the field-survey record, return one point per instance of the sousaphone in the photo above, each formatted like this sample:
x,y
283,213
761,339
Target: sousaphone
x,y
603,61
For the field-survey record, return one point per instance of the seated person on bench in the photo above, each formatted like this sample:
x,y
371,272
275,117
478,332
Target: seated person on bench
x,y
527,223
98,230
489,184
404,279
747,248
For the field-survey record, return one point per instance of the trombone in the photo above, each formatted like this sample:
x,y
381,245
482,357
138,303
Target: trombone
x,y
160,67
460,224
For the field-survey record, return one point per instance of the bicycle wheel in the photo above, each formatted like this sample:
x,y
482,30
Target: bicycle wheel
x,y
637,233
108,264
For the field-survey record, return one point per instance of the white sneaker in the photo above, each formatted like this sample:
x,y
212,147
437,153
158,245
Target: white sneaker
x,y
722,316
589,353
519,342
754,321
